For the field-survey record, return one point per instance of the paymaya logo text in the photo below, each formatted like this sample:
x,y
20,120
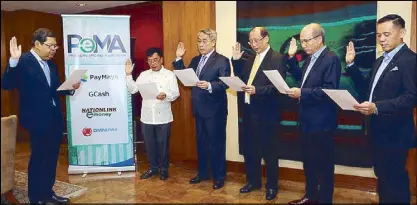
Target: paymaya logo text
x,y
95,44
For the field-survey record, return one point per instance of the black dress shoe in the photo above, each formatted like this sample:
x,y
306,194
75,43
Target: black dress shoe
x,y
271,194
218,184
198,179
60,199
163,176
248,188
304,200
148,174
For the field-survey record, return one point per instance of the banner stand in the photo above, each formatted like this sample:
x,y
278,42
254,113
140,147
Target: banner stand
x,y
99,114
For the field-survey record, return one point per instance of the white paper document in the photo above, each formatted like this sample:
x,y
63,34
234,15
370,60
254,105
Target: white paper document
x,y
233,82
187,76
148,91
275,77
74,78
343,98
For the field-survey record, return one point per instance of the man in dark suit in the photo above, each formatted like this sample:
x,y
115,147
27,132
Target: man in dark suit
x,y
35,76
260,111
209,107
391,98
317,116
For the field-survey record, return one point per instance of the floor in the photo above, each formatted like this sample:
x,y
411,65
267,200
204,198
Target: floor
x,y
128,188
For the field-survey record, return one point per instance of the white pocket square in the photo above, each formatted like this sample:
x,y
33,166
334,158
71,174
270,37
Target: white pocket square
x,y
394,69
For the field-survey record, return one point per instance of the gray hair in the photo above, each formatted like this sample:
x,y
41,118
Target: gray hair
x,y
210,32
320,32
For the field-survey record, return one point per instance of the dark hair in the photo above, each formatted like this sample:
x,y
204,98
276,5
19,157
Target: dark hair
x,y
396,20
153,50
41,34
263,30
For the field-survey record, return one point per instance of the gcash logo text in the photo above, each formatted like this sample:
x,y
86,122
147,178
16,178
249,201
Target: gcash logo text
x,y
98,94
109,44
98,112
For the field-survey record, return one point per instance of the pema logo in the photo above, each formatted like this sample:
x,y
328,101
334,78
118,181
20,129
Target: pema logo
x,y
95,44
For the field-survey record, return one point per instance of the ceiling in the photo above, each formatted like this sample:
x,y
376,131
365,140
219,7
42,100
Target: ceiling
x,y
62,7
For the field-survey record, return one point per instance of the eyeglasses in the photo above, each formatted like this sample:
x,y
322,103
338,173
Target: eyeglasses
x,y
308,40
51,46
205,41
256,41
155,60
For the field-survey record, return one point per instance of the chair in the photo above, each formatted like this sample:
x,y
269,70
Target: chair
x,y
8,152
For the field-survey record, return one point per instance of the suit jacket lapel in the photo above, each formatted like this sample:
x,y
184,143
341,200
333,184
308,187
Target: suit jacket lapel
x,y
388,68
392,62
304,68
209,61
264,64
316,64
374,70
39,74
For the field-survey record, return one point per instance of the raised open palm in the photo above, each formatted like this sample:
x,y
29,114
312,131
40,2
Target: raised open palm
x,y
180,50
293,47
237,53
128,67
350,53
15,51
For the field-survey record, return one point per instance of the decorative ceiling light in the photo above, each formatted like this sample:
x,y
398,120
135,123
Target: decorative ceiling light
x,y
81,4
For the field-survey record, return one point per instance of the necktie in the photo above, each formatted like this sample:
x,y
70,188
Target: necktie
x,y
201,65
46,72
253,72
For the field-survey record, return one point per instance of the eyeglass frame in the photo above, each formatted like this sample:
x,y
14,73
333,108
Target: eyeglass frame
x,y
205,41
51,45
155,60
308,40
256,41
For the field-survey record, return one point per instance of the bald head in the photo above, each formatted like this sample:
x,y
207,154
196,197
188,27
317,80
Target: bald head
x,y
314,29
261,30
312,37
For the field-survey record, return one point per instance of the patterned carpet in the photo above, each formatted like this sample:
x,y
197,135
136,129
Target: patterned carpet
x,y
60,188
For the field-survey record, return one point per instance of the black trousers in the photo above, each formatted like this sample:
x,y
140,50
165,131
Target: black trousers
x,y
157,145
260,143
44,145
318,164
393,181
211,146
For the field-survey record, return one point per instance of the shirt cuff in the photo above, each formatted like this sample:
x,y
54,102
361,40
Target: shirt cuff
x,y
350,64
13,62
177,59
376,110
209,88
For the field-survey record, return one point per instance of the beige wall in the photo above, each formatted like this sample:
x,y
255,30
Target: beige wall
x,y
226,28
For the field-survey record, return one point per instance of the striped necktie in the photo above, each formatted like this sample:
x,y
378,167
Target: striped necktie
x,y
201,65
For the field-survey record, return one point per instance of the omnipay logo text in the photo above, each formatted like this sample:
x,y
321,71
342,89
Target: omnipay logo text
x,y
109,43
